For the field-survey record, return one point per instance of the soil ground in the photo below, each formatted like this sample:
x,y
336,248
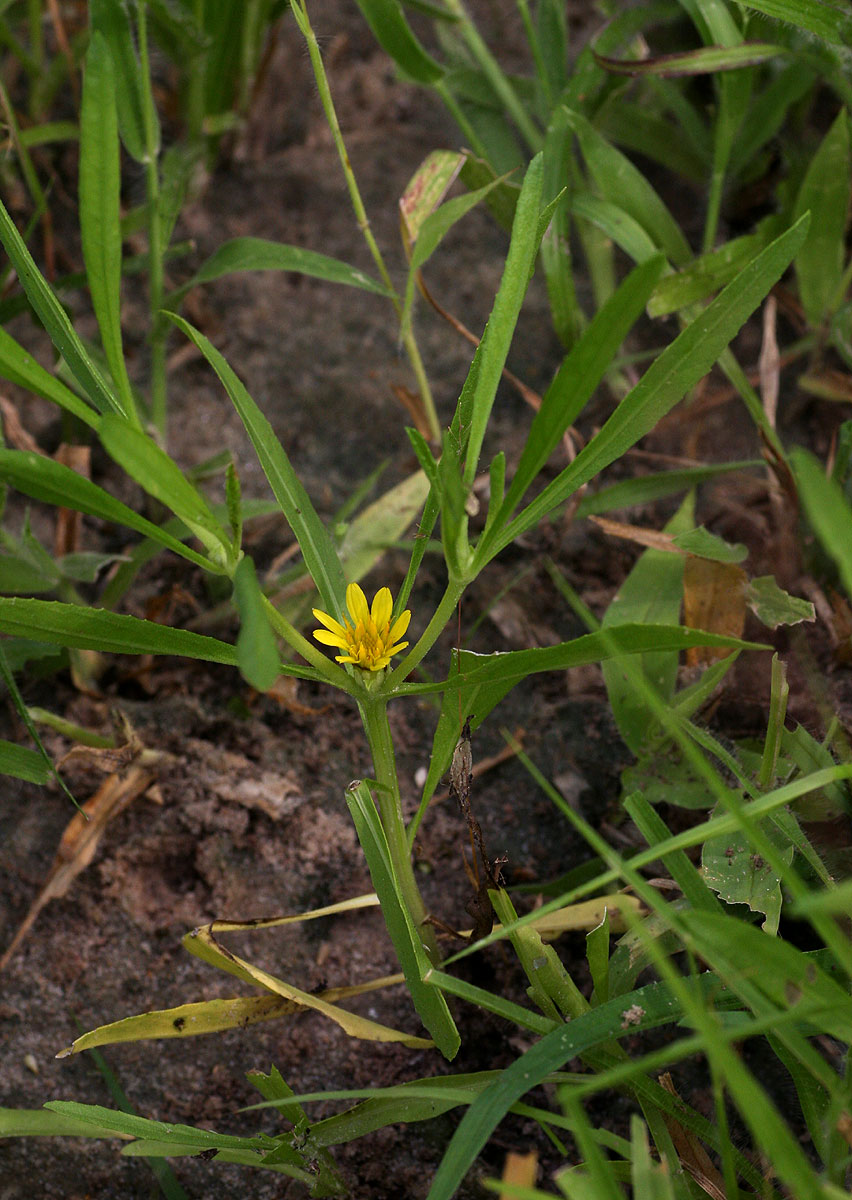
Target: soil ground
x,y
248,817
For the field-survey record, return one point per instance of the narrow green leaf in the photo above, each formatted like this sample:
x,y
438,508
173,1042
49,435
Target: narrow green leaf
x,y
618,225
260,254
476,683
44,479
706,61
110,20
825,193
257,649
96,629
129,1124
21,368
523,247
54,318
677,369
429,1001
657,1006
394,35
828,511
160,476
319,553
621,183
647,488
579,375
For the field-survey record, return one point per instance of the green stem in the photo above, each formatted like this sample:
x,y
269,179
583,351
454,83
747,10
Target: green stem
x,y
159,330
195,85
430,635
457,113
492,71
374,715
332,674
300,13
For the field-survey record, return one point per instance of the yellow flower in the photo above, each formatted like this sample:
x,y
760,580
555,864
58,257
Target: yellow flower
x,y
368,640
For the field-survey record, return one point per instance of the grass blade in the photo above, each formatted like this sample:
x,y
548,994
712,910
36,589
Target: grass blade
x,y
670,376
317,548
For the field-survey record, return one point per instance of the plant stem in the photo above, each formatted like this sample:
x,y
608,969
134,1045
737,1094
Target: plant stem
x,y
499,82
159,330
374,715
300,13
430,635
332,674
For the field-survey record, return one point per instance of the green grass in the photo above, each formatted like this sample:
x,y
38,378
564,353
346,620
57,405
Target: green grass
x,y
566,137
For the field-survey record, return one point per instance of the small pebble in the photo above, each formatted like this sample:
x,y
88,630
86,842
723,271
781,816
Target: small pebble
x,y
420,776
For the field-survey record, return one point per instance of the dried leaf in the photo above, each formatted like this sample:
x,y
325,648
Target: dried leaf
x,y
80,841
713,600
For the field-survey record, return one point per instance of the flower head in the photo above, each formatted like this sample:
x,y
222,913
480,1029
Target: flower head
x,y
368,640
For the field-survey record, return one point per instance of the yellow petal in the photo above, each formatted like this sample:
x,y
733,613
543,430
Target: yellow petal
x,y
396,649
382,607
329,623
331,639
400,625
356,602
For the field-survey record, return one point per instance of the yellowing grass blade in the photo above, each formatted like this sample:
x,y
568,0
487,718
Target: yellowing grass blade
x,y
203,944
211,1016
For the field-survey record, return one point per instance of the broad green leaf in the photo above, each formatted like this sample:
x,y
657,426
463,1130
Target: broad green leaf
x,y
110,20
160,476
828,511
731,867
317,548
21,368
394,35
773,606
44,479
670,376
621,183
23,763
825,193
55,319
704,544
257,649
429,1001
651,594
260,254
